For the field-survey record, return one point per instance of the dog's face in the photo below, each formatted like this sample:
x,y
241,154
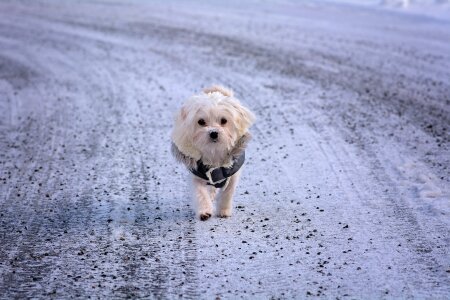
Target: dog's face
x,y
208,126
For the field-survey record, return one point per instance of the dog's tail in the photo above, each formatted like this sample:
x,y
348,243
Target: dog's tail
x,y
218,88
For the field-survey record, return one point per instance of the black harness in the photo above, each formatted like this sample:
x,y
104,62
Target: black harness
x,y
218,177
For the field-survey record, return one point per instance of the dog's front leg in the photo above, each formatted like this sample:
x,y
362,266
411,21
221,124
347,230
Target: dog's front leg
x,y
203,199
226,197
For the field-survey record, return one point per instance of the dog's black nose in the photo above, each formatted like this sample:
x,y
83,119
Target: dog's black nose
x,y
214,135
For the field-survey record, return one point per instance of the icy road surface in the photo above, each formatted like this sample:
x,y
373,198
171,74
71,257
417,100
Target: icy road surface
x,y
345,192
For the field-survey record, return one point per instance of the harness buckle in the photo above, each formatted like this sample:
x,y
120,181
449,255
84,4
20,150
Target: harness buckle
x,y
209,175
210,180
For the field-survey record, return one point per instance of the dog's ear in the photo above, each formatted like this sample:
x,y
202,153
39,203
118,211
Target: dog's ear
x,y
218,88
182,136
242,116
247,118
183,113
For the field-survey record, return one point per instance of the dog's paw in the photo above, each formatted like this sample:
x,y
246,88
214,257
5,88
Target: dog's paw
x,y
205,216
224,213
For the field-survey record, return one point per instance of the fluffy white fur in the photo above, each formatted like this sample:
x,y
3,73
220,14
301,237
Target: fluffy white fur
x,y
193,140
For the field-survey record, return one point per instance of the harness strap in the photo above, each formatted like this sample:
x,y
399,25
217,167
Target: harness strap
x,y
219,176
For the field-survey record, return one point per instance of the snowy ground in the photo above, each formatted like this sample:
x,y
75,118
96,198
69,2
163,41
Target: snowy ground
x,y
345,192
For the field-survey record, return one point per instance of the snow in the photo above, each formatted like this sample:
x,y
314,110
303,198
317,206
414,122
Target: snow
x,y
345,191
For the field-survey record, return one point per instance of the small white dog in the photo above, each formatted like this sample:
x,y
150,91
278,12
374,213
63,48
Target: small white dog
x,y
209,137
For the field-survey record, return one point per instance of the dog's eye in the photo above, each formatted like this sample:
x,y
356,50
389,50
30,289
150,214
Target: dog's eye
x,y
201,122
223,121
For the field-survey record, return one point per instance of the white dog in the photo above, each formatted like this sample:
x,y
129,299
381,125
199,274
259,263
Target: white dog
x,y
209,137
